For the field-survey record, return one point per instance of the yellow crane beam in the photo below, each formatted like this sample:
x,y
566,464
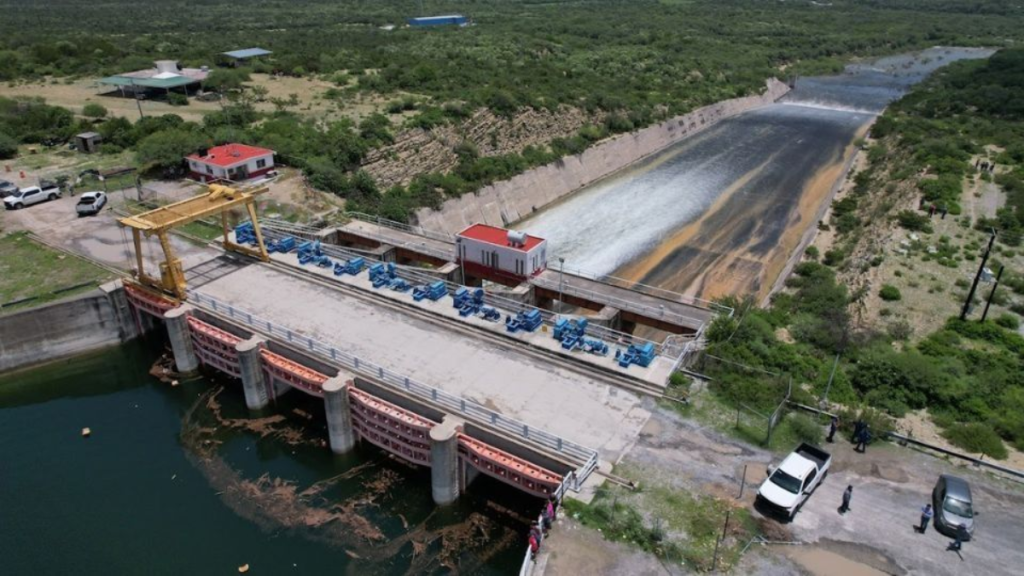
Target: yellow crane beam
x,y
160,221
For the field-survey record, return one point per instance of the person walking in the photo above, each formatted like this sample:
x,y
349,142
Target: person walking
x,y
833,426
546,520
534,546
847,496
926,518
862,439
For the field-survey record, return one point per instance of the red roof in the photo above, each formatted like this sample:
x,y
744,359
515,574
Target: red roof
x,y
229,155
498,237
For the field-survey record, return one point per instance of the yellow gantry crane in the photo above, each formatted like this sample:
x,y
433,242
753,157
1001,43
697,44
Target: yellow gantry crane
x,y
162,220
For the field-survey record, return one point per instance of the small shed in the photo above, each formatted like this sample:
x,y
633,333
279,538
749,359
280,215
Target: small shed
x,y
237,57
496,251
88,142
448,20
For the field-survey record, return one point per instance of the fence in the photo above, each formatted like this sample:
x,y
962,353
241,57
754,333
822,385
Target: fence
x,y
417,230
44,296
774,392
471,410
272,229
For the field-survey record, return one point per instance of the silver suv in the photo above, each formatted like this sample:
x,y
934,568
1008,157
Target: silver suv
x,y
953,505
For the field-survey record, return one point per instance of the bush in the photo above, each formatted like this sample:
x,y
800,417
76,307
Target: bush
x,y
175,99
890,293
915,221
1008,321
805,428
977,438
94,110
8,147
812,252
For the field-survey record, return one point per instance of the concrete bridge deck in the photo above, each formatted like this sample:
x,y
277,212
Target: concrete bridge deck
x,y
537,392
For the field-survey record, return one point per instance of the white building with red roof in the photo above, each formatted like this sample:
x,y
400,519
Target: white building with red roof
x,y
489,252
234,162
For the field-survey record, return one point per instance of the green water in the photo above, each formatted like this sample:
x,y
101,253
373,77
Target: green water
x,y
165,486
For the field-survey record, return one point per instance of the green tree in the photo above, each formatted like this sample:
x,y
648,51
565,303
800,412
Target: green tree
x,y
165,151
94,110
8,147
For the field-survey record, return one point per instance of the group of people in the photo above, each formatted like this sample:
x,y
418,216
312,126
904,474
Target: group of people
x,y
861,433
984,166
539,529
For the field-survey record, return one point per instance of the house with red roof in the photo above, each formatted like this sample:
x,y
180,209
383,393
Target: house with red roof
x,y
500,255
233,162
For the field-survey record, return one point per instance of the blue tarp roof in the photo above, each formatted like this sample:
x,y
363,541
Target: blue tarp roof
x,y
247,53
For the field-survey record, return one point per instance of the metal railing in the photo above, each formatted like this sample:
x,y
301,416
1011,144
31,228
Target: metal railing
x,y
417,230
659,313
585,456
644,288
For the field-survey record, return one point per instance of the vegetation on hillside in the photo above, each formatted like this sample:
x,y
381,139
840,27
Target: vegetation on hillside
x,y
969,374
634,63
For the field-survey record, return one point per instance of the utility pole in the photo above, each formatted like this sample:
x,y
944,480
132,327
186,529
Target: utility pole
x,y
992,294
561,266
135,94
977,277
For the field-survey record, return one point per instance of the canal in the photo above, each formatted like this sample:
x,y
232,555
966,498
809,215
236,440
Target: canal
x,y
720,213
180,480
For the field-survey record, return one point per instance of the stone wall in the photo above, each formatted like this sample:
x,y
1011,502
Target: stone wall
x,y
61,329
509,201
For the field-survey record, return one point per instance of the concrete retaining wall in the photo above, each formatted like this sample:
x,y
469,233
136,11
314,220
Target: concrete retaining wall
x,y
74,326
509,201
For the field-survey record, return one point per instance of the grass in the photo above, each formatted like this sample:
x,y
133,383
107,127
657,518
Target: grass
x,y
677,526
31,270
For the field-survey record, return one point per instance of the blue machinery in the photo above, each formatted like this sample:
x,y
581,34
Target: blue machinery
x,y
433,292
641,355
528,321
571,333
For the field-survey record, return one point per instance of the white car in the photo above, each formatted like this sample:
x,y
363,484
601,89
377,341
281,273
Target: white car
x,y
29,196
91,203
791,483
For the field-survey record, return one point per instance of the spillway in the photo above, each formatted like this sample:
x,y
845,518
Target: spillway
x,y
721,212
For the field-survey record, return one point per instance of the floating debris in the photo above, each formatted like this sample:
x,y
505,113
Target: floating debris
x,y
243,568
86,432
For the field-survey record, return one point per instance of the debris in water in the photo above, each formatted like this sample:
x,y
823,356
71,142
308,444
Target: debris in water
x,y
243,568
86,432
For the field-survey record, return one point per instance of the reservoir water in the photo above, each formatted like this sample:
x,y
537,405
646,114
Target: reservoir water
x,y
721,212
178,480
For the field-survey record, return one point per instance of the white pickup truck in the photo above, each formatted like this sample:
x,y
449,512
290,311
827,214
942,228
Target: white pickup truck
x,y
791,483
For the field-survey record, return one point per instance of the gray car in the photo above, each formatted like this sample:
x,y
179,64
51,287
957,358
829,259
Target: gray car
x,y
7,188
953,505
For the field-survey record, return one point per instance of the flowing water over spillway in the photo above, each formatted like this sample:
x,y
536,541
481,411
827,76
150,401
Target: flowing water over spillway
x,y
719,213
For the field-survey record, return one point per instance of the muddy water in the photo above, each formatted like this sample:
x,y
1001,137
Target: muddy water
x,y
181,480
720,213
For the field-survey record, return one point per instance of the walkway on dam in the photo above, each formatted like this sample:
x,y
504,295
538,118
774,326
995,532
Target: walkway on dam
x,y
522,386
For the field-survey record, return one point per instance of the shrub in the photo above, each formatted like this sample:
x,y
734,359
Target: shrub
x,y
94,110
900,330
915,221
1008,321
8,147
890,293
805,428
812,252
175,99
977,438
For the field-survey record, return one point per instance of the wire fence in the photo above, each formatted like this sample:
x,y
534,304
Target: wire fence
x,y
759,396
586,457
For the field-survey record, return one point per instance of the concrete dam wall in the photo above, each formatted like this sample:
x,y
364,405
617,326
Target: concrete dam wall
x,y
81,324
509,201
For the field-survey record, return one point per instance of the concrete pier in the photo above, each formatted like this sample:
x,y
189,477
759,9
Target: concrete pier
x,y
444,460
176,319
253,380
339,415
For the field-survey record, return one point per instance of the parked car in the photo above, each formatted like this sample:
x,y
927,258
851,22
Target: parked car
x,y
7,188
951,498
29,196
91,203
793,481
